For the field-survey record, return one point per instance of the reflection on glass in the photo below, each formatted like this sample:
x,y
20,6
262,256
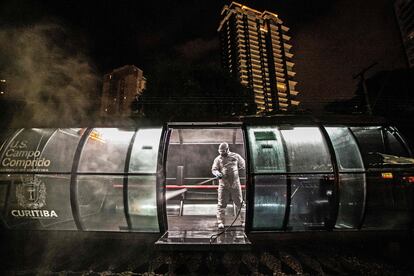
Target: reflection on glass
x,y
100,201
142,203
370,141
307,150
61,148
58,200
310,201
269,202
105,151
379,139
144,154
3,193
267,150
346,149
38,202
386,206
395,147
351,192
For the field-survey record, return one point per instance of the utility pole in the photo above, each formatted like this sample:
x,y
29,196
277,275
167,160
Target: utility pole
x,y
362,79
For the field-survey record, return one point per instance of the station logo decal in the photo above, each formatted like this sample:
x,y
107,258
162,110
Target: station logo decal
x,y
31,193
31,197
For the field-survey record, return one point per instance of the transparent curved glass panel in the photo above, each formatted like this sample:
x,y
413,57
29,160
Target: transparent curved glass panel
x,y
100,202
144,155
40,202
142,203
105,150
351,200
347,153
389,202
61,148
23,152
5,136
4,190
269,202
311,201
395,146
266,150
371,142
215,135
306,150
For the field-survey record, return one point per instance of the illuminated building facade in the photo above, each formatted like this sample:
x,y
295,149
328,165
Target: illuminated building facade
x,y
404,10
255,49
120,88
2,88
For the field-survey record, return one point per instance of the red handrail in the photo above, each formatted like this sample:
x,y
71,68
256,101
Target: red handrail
x,y
182,186
196,186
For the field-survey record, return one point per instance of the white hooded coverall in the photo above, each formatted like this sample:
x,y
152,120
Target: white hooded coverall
x,y
229,185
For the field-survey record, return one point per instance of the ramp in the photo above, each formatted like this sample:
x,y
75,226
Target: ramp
x,y
232,239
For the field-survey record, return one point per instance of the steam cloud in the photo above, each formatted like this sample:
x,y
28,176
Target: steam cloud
x,y
46,71
197,48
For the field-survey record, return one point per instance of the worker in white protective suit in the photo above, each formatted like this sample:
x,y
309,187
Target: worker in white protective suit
x,y
226,167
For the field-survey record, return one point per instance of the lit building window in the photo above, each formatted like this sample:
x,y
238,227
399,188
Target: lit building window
x,y
254,53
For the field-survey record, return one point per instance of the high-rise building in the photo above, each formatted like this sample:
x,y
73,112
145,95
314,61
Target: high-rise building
x,y
120,88
2,88
255,49
404,10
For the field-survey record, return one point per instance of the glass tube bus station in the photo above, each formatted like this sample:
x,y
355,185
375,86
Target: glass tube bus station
x,y
300,176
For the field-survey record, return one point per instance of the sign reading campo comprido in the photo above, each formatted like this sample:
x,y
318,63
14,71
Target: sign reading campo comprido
x,y
18,157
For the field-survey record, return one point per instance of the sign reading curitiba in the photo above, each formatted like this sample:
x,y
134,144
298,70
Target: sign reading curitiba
x,y
31,196
17,156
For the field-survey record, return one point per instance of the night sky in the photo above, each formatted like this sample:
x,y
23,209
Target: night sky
x,y
332,40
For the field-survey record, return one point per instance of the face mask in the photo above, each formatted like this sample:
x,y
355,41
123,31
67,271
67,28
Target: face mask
x,y
224,153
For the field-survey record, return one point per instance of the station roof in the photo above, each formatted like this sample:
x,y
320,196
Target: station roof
x,y
230,121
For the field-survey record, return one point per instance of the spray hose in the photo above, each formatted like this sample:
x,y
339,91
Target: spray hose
x,y
208,180
214,237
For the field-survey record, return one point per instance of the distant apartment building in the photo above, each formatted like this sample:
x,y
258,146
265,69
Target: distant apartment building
x,y
3,88
255,49
12,103
120,88
404,10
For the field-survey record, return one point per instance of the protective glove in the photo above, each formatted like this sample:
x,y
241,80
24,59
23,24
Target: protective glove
x,y
219,175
